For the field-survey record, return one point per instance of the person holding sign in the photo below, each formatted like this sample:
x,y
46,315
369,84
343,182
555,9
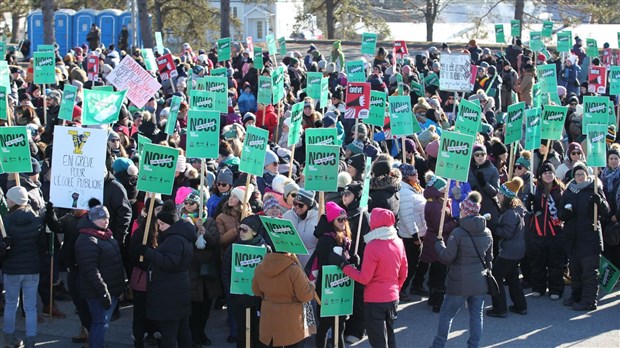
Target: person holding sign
x,y
232,211
584,241
525,84
383,273
304,216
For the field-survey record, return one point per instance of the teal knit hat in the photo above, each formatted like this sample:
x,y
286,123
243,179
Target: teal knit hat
x,y
437,182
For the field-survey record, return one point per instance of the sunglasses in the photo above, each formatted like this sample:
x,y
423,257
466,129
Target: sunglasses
x,y
480,154
300,205
576,153
519,167
188,202
115,140
341,220
450,98
293,194
222,184
242,229
346,193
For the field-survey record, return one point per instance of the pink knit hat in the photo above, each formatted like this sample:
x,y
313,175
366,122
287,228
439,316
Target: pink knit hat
x,y
333,211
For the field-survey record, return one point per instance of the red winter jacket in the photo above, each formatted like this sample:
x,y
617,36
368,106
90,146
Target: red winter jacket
x,y
269,117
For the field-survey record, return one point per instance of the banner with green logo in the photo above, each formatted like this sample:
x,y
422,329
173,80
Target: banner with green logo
x,y
254,148
44,68
245,258
223,49
265,90
565,39
67,103
202,100
591,48
271,45
417,88
402,121
608,275
547,78
514,123
171,124
468,118
294,132
536,96
15,149
376,116
547,29
515,27
553,117
321,136
101,107
614,80
278,84
219,72
258,58
499,33
322,167
355,71
4,103
536,43
597,149
157,167
337,292
203,129
431,79
284,235
282,46
366,188
369,43
454,155
219,87
324,100
313,87
532,128
594,111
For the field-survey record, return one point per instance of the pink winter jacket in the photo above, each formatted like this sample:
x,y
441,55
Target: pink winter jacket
x,y
384,267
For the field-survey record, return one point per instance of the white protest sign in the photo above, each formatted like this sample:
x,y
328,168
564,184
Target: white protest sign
x,y
140,85
455,72
78,165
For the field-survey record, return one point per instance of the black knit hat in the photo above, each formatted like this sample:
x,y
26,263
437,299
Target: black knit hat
x,y
579,166
357,161
253,222
355,188
168,213
547,167
497,149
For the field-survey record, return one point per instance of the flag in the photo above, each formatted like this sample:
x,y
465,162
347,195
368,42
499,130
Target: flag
x,y
101,107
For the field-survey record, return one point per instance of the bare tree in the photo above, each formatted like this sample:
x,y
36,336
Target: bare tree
x,y
430,9
145,23
49,35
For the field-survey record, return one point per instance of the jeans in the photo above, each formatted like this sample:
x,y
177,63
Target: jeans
x,y
100,321
380,324
28,284
450,307
509,270
175,331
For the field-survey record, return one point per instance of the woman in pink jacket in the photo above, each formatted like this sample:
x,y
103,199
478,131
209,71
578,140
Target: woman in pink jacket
x,y
383,272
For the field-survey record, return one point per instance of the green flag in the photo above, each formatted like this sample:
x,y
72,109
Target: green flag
x,y
536,43
245,258
614,80
553,117
175,104
223,49
376,116
565,38
140,144
265,90
15,149
417,88
366,188
294,132
313,87
101,107
271,45
532,128
369,43
284,235
355,71
254,149
149,59
547,78
5,74
594,111
514,123
547,29
324,100
220,72
337,292
499,33
591,48
278,84
454,155
321,136
468,118
103,88
157,167
322,167
203,129
402,121
219,87
159,42
282,46
608,275
611,118
536,95
67,103
44,68
258,58
431,79
597,150
4,103
515,27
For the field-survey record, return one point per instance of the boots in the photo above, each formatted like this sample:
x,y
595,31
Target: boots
x,y
29,341
82,337
10,340
54,312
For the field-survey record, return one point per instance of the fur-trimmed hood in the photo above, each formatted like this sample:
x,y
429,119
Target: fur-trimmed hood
x,y
390,181
381,233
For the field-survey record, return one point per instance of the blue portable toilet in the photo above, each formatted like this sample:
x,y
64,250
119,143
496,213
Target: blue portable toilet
x,y
35,29
125,19
82,22
63,27
107,20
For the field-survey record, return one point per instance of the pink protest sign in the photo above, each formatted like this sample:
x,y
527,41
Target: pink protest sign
x,y
140,85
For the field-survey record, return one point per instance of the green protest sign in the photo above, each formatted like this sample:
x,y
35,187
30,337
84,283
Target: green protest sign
x,y
223,49
201,100
608,274
321,136
536,43
499,33
271,45
141,141
103,88
417,88
258,58
468,118
514,123
337,292
265,90
366,188
282,46
67,103
431,79
157,167
401,117
4,103
597,150
611,110
2,49
284,235
149,59
546,78
376,116
355,71
547,29
614,80
553,117
369,43
219,87
324,100
594,111
565,38
15,149
245,258
101,107
219,72
532,128
278,84
454,155
550,99
322,167
591,48
44,68
254,149
536,95
46,48
399,83
295,127
175,104
515,27
5,74
159,42
203,129
313,87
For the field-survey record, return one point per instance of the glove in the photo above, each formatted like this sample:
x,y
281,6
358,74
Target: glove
x,y
529,202
595,199
142,249
106,301
355,259
6,243
480,177
200,242
338,260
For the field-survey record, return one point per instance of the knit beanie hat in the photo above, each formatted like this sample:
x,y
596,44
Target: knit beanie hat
x,y
271,157
410,145
470,206
18,195
121,164
168,213
277,184
344,179
97,211
511,188
432,149
333,211
305,197
355,188
253,222
36,167
269,203
356,147
407,170
611,134
437,182
497,148
357,161
225,176
193,197
382,166
613,151
574,146
523,162
290,187
547,167
579,166
478,148
113,135
239,192
380,217
182,193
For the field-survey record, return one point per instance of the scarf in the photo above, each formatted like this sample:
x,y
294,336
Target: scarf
x,y
610,177
575,187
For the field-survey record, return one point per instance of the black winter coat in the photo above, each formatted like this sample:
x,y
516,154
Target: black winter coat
x,y
353,216
384,192
168,292
489,203
115,199
326,241
27,231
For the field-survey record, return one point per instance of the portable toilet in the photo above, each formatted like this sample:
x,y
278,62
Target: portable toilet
x,y
107,20
125,19
35,30
63,28
83,20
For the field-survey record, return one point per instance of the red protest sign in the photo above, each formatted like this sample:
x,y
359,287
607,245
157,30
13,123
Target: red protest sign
x,y
357,100
597,79
167,69
400,50
92,67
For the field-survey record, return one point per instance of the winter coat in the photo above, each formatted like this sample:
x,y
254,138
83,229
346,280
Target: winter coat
x,y
227,223
570,79
27,231
283,286
99,262
465,272
384,268
432,215
411,211
210,257
544,218
35,195
305,229
384,192
525,85
326,241
212,203
247,103
267,117
510,228
489,191
168,292
353,216
509,79
115,199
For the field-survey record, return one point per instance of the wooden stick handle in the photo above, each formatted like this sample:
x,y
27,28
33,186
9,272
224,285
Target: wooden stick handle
x,y
443,209
246,197
248,331
149,216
